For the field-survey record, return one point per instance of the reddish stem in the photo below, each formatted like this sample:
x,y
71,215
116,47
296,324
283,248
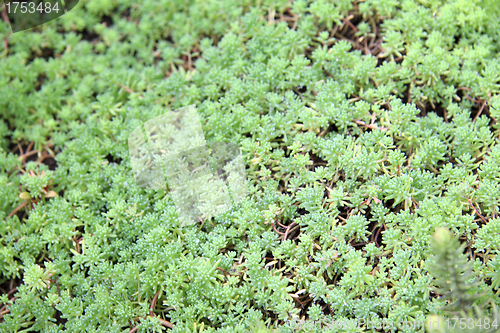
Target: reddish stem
x,y
288,230
18,208
480,110
274,227
153,303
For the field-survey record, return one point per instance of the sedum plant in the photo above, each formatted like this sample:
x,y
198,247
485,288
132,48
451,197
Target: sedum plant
x,y
364,127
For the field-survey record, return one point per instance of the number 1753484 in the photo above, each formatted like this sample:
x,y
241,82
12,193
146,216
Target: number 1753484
x,y
31,7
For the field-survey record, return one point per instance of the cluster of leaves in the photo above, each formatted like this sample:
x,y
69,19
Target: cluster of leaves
x,y
365,125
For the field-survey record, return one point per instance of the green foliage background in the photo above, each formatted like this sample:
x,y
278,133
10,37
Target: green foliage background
x,y
365,126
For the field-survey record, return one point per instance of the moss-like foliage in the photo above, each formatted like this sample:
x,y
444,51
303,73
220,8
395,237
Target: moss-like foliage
x,y
365,126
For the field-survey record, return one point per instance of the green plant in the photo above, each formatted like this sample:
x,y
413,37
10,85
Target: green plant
x,y
363,125
460,288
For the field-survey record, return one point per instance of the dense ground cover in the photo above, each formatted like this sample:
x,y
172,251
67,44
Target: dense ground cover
x,y
365,125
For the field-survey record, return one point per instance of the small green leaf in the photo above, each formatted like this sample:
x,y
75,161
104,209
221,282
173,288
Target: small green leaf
x,y
25,196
